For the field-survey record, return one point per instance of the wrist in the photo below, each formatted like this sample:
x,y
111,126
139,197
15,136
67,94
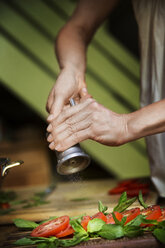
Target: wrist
x,y
135,126
73,70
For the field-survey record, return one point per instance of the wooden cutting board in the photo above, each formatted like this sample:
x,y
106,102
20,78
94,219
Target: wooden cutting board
x,y
70,198
145,241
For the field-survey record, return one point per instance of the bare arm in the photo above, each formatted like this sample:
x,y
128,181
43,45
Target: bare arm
x,y
71,46
147,121
90,120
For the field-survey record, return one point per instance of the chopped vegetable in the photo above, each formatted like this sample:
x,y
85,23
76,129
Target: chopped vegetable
x,y
51,227
120,223
99,215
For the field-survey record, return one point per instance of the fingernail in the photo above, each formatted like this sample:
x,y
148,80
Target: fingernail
x,y
49,138
49,128
51,146
50,118
57,147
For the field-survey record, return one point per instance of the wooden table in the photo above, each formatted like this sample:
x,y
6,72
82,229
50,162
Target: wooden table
x,y
65,199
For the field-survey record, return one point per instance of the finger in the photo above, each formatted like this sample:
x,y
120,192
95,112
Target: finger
x,y
57,106
49,128
74,123
83,92
72,140
66,114
50,101
52,146
50,138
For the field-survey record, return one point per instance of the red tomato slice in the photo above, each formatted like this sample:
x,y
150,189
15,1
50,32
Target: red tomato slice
x,y
135,192
131,214
51,228
66,232
162,217
152,213
110,219
99,215
84,221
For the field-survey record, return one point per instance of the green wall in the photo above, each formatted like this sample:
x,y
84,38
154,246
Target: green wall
x,y
29,68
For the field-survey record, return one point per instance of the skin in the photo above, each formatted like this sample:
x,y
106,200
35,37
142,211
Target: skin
x,y
89,119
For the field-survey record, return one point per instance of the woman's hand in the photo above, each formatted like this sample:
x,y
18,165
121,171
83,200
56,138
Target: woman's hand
x,y
69,84
87,120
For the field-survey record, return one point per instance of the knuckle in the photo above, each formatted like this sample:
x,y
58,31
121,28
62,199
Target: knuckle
x,y
95,117
70,130
94,105
75,137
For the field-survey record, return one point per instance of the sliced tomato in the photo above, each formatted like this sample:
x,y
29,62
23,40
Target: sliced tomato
x,y
151,213
131,214
84,221
162,217
135,192
51,228
66,232
110,219
99,215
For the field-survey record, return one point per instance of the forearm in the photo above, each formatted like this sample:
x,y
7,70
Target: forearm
x,y
146,121
71,48
72,41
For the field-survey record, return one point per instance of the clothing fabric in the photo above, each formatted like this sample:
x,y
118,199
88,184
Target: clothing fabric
x,y
150,16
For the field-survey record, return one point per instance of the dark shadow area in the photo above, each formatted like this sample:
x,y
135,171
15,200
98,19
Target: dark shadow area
x,y
122,24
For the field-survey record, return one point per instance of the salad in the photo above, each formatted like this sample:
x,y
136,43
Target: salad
x,y
123,221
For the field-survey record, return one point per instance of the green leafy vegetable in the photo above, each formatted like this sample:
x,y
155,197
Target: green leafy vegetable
x,y
20,223
124,203
160,234
77,227
7,196
123,220
111,231
140,198
95,225
6,211
115,219
78,238
25,241
132,231
101,207
80,199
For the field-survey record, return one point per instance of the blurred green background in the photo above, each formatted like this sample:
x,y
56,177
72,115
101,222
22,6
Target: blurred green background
x,y
28,69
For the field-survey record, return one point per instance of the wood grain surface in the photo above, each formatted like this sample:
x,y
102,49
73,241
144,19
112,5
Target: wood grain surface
x,y
145,241
70,198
